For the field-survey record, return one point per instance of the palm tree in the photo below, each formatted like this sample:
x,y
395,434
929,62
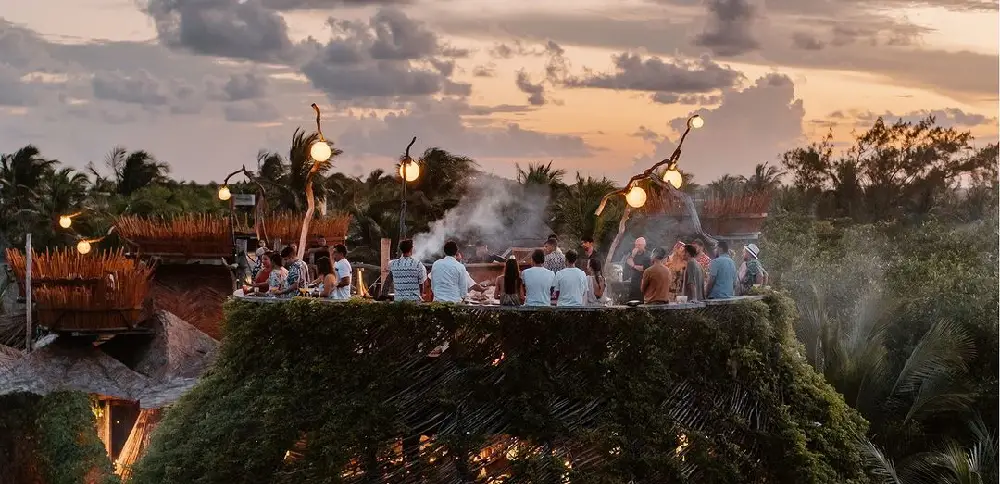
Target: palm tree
x,y
541,174
131,171
727,186
21,173
764,178
898,401
575,205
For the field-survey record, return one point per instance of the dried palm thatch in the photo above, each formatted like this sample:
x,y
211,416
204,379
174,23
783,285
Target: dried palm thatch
x,y
8,356
138,440
65,365
191,235
195,293
664,202
739,214
67,264
287,226
103,291
160,369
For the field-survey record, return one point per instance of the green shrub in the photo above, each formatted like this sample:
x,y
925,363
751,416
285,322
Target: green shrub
x,y
600,396
51,440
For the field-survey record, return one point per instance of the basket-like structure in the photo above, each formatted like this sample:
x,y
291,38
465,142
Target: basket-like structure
x,y
72,292
287,227
736,215
189,235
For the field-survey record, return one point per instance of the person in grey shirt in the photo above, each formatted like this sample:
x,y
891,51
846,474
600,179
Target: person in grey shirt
x,y
721,274
694,279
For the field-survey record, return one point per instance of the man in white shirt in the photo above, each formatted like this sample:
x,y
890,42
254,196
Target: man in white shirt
x,y
408,274
342,271
571,283
538,281
450,281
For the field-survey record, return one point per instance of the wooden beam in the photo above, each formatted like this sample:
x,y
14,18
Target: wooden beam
x,y
386,249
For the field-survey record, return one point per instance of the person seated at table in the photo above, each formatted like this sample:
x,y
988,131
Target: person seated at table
x,y
657,279
450,280
260,281
538,281
328,279
510,285
408,274
342,274
297,273
570,283
596,284
721,274
277,282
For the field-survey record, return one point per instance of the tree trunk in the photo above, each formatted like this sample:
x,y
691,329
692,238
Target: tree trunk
x,y
310,208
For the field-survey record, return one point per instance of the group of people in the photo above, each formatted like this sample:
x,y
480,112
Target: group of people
x,y
689,274
284,274
563,279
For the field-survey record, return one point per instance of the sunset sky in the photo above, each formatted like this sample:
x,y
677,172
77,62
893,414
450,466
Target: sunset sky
x,y
596,86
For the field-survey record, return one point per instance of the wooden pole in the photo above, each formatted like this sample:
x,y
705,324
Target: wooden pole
x,y
618,237
384,259
27,294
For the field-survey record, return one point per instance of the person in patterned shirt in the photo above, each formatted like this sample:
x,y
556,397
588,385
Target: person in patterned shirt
x,y
298,271
408,274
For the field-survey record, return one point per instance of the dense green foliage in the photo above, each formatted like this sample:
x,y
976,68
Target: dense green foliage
x,y
51,439
903,321
607,392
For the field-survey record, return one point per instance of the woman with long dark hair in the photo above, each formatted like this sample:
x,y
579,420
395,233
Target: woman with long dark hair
x,y
597,286
510,284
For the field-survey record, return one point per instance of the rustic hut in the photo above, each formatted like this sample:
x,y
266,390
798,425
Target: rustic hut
x,y
133,376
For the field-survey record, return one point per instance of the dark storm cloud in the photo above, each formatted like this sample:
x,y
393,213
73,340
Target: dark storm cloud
x,y
729,31
653,74
665,34
535,92
239,87
140,88
256,111
226,28
381,58
328,4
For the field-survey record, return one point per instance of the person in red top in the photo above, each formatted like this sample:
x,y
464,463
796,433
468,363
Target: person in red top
x,y
702,258
260,282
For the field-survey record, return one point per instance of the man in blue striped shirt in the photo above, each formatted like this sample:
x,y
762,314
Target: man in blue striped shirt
x,y
408,274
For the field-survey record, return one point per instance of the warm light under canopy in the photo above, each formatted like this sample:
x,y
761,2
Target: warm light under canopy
x,y
636,197
224,193
83,247
65,221
320,151
674,178
412,171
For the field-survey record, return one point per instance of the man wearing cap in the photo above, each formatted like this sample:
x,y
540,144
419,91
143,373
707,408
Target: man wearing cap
x,y
751,271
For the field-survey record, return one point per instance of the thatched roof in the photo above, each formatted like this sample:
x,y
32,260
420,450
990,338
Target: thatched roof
x,y
8,356
69,365
153,369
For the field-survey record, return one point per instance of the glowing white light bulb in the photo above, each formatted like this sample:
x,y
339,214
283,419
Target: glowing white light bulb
x,y
696,121
412,171
224,193
83,247
674,178
320,151
636,197
65,221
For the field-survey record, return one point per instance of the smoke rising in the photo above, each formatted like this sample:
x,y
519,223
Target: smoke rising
x,y
495,210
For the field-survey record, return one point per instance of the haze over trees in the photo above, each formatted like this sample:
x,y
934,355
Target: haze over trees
x,y
889,248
